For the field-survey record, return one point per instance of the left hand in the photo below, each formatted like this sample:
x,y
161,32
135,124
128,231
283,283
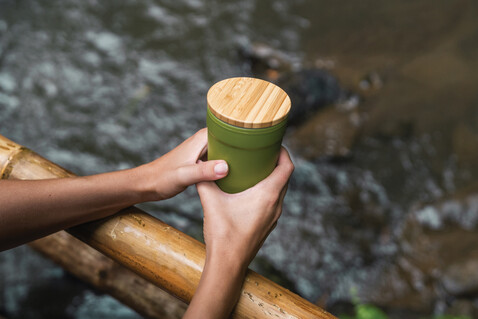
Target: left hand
x,y
236,225
173,172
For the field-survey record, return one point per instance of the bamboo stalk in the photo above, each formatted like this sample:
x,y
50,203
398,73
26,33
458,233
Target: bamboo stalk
x,y
156,251
108,276
81,260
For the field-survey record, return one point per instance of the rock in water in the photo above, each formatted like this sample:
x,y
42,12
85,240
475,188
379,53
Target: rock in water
x,y
309,91
330,133
437,259
262,58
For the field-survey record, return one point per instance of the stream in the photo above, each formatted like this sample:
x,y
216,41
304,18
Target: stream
x,y
383,204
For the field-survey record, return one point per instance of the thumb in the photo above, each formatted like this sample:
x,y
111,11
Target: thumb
x,y
202,171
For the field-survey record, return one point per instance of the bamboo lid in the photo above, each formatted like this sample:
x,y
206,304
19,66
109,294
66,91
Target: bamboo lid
x,y
248,102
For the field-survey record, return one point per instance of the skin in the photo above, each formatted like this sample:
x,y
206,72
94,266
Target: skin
x,y
33,209
235,225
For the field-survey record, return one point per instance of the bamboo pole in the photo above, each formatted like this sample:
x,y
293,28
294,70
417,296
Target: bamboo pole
x,y
108,276
88,264
156,251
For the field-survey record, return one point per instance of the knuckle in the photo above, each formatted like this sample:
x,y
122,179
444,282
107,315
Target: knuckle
x,y
179,175
204,171
194,138
290,168
200,133
200,137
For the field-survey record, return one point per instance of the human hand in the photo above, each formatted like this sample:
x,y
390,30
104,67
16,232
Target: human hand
x,y
236,225
173,172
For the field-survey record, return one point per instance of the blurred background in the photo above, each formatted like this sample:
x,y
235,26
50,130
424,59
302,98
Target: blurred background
x,y
382,208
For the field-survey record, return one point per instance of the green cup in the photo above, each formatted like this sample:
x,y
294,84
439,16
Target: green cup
x,y
251,153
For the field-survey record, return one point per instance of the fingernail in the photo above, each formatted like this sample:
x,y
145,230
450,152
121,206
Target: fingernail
x,y
220,169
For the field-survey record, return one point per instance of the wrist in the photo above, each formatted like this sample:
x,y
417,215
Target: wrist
x,y
142,183
224,273
219,287
230,259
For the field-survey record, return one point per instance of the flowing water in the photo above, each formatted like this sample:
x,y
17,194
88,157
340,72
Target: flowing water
x,y
97,86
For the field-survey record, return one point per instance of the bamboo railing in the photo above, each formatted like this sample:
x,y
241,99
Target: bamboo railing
x,y
108,276
153,250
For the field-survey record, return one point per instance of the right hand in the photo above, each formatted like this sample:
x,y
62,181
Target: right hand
x,y
236,225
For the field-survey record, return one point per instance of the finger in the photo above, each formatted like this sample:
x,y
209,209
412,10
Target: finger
x,y
281,174
202,133
203,155
200,143
196,145
203,136
202,171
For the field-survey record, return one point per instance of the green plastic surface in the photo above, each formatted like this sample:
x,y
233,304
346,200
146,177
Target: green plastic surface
x,y
251,153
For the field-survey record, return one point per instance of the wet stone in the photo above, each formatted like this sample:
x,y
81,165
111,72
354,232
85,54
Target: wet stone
x,y
437,258
310,90
465,139
3,26
337,230
262,57
7,82
331,133
461,278
463,307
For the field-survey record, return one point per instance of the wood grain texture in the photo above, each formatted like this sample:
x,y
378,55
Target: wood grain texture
x,y
248,102
160,253
108,276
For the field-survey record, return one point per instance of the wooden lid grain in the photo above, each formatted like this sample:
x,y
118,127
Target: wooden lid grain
x,y
248,102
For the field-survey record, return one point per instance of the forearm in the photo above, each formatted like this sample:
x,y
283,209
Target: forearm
x,y
32,209
219,288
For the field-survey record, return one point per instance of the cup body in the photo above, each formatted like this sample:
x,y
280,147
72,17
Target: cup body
x,y
251,153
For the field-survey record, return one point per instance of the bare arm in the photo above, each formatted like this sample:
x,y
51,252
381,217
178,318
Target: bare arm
x,y
235,227
32,209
